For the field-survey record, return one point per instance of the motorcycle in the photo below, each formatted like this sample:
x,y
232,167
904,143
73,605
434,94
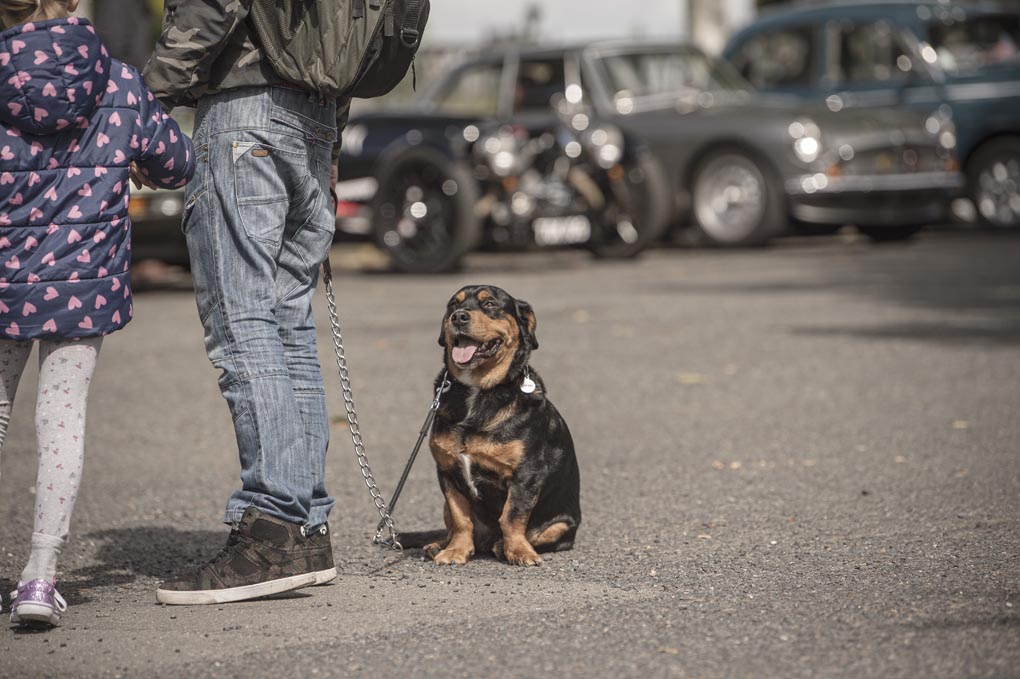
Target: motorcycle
x,y
576,183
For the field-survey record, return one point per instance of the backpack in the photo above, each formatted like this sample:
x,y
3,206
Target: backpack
x,y
340,48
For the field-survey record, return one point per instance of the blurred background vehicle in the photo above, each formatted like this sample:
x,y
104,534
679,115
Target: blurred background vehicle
x,y
960,58
739,165
441,195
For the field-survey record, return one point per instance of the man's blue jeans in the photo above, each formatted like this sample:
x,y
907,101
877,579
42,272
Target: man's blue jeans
x,y
259,222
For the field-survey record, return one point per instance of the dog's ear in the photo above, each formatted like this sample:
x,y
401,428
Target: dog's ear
x,y
527,322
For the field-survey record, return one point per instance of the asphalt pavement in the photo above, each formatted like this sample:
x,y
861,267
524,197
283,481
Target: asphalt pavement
x,y
802,461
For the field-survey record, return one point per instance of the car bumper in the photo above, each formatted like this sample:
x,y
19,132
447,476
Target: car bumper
x,y
916,198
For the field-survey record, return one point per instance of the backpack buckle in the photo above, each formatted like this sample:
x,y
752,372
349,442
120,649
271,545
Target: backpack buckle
x,y
410,37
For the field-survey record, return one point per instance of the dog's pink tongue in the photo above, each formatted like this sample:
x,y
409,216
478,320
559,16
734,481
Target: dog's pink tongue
x,y
464,353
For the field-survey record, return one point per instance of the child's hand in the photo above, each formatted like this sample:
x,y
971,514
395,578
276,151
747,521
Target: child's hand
x,y
140,180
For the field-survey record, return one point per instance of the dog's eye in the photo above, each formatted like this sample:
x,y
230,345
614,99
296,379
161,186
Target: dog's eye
x,y
490,304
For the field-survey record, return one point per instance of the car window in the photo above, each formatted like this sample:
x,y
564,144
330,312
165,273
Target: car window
x,y
472,91
781,58
977,42
538,81
871,53
641,74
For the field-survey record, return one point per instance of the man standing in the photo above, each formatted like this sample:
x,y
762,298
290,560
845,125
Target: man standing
x,y
259,222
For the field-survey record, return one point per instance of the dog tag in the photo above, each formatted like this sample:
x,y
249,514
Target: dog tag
x,y
528,385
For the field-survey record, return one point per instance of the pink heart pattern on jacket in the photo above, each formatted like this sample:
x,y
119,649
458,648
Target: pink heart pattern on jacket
x,y
71,121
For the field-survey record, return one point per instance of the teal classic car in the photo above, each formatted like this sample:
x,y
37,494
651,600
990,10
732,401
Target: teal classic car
x,y
960,61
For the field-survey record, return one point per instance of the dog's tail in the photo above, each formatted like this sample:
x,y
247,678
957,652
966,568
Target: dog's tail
x,y
418,539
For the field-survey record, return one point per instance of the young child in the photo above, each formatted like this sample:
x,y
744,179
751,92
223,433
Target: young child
x,y
72,123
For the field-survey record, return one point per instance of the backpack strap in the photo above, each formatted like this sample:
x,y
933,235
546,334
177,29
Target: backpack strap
x,y
388,22
358,11
410,36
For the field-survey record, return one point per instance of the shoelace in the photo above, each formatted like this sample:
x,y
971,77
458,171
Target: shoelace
x,y
227,550
59,600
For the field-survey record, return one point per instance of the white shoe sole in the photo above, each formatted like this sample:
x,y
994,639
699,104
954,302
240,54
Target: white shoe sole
x,y
326,576
35,613
225,596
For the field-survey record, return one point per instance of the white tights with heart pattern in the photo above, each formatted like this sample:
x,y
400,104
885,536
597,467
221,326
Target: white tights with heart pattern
x,y
65,372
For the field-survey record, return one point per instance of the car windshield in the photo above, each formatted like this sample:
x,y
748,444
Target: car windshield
x,y
977,42
652,74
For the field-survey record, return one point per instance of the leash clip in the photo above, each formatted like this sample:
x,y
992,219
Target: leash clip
x,y
444,387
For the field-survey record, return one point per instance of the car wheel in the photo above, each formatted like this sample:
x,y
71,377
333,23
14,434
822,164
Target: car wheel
x,y
993,180
886,234
638,208
736,200
423,213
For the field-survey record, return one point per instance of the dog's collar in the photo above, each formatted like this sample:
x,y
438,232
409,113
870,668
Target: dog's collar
x,y
527,385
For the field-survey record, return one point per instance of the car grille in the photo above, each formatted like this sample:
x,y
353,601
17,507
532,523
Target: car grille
x,y
901,160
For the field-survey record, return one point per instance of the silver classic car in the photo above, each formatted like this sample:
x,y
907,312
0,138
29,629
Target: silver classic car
x,y
741,167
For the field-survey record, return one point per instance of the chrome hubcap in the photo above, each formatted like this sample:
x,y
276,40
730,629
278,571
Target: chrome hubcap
x,y
729,198
997,197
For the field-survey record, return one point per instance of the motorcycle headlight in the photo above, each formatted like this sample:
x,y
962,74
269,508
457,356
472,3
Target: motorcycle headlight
x,y
605,142
807,139
501,151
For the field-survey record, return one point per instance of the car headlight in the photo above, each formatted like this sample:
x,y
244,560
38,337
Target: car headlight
x,y
807,148
605,142
941,126
807,139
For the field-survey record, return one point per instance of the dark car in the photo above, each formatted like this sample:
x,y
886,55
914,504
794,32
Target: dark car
x,y
962,58
742,165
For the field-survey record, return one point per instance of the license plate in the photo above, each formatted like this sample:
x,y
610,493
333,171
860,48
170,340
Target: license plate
x,y
562,230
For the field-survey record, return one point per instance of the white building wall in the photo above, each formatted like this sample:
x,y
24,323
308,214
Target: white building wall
x,y
709,23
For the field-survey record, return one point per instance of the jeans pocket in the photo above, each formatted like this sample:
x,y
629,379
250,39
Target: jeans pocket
x,y
260,189
190,202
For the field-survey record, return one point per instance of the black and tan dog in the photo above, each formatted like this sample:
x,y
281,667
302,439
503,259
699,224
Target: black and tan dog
x,y
504,454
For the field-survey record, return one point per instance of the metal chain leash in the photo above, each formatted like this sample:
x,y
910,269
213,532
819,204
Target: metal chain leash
x,y
444,386
352,418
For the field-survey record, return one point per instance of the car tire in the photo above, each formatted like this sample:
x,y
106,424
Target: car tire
x,y
644,222
879,233
736,200
423,212
993,182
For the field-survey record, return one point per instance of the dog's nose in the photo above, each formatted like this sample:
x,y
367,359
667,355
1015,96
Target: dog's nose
x,y
460,317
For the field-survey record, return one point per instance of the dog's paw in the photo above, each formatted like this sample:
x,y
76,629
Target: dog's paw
x,y
497,550
431,550
453,556
520,554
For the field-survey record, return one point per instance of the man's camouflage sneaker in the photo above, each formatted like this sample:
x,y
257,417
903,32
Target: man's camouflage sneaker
x,y
263,555
322,556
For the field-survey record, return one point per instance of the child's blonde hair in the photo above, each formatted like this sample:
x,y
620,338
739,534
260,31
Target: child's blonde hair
x,y
15,12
